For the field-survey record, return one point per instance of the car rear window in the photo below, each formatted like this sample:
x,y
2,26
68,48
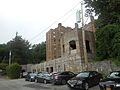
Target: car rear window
x,y
83,74
115,75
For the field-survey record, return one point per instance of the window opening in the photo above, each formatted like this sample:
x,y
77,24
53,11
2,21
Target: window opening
x,y
72,45
87,46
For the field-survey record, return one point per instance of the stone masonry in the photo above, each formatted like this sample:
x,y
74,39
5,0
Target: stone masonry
x,y
64,49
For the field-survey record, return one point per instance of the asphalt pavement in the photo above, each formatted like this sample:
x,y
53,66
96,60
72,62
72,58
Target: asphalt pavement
x,y
21,84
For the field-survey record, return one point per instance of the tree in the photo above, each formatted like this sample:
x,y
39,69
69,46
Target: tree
x,y
116,45
108,41
20,50
4,53
39,52
108,11
108,27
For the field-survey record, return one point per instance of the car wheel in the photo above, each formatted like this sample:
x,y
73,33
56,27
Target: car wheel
x,y
63,82
86,86
30,80
71,88
53,83
45,82
99,81
36,80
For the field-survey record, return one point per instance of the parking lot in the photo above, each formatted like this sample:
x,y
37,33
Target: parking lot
x,y
21,84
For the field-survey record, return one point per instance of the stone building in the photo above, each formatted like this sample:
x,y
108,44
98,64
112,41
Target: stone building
x,y
64,49
53,44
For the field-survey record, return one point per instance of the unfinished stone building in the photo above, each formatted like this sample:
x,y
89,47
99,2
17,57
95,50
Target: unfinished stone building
x,y
64,49
53,44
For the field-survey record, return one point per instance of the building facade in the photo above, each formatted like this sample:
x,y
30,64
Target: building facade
x,y
53,44
64,49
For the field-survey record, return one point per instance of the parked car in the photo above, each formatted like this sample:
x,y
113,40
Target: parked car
x,y
112,82
63,77
30,77
84,80
24,74
43,78
53,74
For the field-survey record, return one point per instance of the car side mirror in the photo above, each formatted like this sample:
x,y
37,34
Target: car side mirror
x,y
91,76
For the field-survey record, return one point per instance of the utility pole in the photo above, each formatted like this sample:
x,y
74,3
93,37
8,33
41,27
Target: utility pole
x,y
9,57
83,38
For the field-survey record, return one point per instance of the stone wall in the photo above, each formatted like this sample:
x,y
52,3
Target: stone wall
x,y
67,63
58,65
27,67
103,66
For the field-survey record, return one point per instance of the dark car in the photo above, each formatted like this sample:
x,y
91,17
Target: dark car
x,y
84,80
112,82
63,77
43,78
30,77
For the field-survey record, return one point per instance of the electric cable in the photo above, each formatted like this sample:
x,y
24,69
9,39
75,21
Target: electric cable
x,y
61,22
55,22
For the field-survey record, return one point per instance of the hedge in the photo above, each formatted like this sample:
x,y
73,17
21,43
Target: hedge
x,y
13,71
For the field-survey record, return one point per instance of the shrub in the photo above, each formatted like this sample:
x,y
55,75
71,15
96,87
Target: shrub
x,y
3,68
13,71
116,61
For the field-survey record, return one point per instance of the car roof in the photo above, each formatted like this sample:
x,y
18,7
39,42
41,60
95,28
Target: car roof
x,y
114,71
88,71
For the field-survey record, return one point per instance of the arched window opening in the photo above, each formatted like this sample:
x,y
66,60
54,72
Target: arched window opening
x,y
72,44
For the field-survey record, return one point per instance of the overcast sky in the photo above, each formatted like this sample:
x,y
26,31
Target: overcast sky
x,y
31,18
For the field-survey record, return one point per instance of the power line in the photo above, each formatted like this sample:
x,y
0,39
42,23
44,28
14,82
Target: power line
x,y
41,37
55,21
68,17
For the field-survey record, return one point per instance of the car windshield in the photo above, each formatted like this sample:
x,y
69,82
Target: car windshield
x,y
115,75
47,75
33,74
83,74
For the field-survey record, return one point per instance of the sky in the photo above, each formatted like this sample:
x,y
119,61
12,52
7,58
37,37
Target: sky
x,y
33,18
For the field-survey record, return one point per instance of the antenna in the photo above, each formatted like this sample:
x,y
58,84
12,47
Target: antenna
x,y
78,16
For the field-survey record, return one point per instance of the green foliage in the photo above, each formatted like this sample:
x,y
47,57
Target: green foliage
x,y
13,71
39,52
108,11
116,61
3,66
108,41
116,45
4,53
20,50
108,27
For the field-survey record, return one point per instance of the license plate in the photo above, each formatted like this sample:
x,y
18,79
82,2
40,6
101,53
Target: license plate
x,y
107,88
